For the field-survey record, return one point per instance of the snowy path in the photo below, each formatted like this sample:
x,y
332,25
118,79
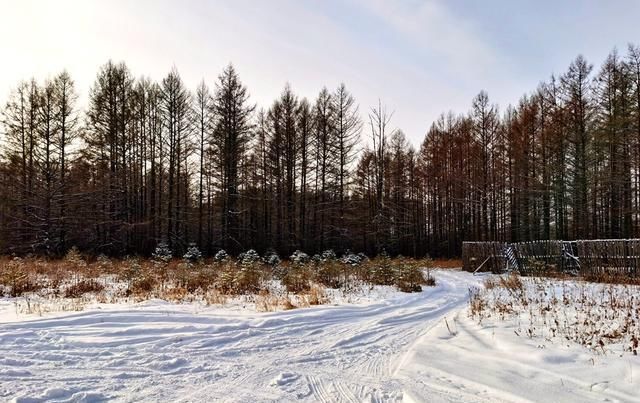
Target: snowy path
x,y
344,353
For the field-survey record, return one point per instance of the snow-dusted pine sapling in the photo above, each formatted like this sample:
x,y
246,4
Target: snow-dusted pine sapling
x,y
162,253
221,256
248,258
271,258
316,259
409,277
296,276
226,277
75,259
429,279
328,255
76,263
350,258
382,270
299,257
224,270
192,254
329,270
132,270
248,278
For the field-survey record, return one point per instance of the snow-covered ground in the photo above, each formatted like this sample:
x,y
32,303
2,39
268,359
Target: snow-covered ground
x,y
397,349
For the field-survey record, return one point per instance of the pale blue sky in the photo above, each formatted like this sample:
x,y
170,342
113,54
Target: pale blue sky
x,y
420,57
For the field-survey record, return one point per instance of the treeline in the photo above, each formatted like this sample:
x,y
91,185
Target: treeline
x,y
151,162
148,162
562,164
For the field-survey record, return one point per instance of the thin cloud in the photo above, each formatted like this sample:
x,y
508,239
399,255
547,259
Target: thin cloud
x,y
421,58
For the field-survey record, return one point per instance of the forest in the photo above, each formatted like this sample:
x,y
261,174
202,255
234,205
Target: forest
x,y
147,162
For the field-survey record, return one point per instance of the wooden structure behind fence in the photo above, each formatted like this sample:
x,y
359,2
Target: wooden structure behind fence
x,y
611,256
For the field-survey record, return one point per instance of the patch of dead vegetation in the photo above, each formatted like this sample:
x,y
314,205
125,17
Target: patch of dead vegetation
x,y
212,281
602,317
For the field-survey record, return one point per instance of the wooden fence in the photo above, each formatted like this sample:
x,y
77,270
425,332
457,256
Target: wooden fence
x,y
488,254
534,257
613,256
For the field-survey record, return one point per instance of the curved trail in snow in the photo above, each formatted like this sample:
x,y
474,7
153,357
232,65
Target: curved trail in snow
x,y
344,353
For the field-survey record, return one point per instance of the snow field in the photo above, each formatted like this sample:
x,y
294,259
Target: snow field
x,y
399,348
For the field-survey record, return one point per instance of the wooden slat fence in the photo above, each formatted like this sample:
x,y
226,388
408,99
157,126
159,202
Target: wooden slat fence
x,y
475,253
612,256
536,256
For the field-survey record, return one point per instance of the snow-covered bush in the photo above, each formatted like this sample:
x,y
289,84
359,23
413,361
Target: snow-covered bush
x,y
193,254
248,257
221,256
409,278
328,269
162,253
271,258
297,276
350,259
299,257
328,254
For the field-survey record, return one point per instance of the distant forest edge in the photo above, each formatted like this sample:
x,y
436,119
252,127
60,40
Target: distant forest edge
x,y
150,162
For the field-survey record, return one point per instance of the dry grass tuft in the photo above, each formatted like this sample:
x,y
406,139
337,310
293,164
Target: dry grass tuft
x,y
214,297
177,294
316,296
611,278
267,302
511,282
477,304
447,263
17,278
30,306
83,287
286,303
490,283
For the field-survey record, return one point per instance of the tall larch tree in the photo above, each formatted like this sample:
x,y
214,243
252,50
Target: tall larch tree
x,y
232,133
